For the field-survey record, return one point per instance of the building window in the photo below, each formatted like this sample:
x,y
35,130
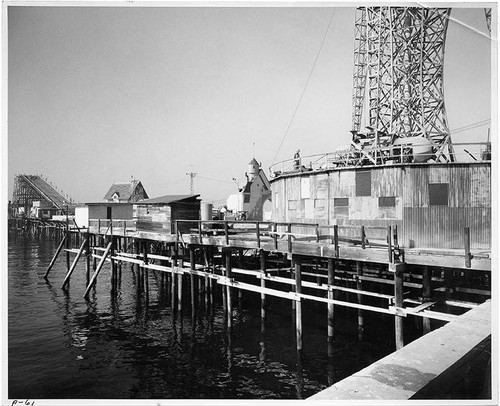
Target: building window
x,y
364,183
341,207
438,194
387,201
341,201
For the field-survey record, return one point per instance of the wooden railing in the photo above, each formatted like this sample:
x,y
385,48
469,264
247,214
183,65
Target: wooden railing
x,y
307,232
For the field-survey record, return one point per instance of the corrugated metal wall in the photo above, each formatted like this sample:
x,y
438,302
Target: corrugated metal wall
x,y
420,224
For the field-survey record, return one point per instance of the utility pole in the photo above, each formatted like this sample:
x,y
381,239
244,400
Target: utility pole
x,y
191,181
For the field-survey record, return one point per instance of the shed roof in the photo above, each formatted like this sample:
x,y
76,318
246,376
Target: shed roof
x,y
169,199
124,189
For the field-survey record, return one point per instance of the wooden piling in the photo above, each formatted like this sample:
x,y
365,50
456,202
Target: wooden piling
x,y
229,293
426,296
63,241
192,264
179,286
359,287
331,309
398,269
263,256
174,278
298,307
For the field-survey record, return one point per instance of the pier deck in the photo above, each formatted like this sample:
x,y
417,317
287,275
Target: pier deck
x,y
316,244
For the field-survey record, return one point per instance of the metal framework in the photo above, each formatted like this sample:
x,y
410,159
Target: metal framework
x,y
398,76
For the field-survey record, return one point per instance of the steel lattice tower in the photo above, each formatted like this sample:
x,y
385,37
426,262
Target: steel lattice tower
x,y
398,74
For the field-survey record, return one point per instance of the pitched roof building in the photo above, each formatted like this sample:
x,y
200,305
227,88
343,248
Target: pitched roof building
x,y
126,192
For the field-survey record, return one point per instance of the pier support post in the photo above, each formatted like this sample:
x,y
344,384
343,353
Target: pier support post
x,y
426,296
240,265
88,253
263,256
192,267
179,284
359,287
229,302
398,269
331,309
174,275
298,306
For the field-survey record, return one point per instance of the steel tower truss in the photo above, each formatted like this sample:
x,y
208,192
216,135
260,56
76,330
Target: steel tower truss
x,y
398,74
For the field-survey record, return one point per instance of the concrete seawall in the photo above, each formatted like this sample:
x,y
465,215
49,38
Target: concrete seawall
x,y
438,365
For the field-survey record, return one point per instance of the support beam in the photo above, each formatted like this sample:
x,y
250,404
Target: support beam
x,y
63,241
99,267
73,265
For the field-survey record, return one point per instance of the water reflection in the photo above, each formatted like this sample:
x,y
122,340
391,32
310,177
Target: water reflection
x,y
151,348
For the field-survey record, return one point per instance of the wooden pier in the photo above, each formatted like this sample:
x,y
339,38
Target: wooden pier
x,y
294,261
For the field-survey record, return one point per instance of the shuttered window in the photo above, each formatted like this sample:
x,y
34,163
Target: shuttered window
x,y
387,201
341,201
364,183
438,194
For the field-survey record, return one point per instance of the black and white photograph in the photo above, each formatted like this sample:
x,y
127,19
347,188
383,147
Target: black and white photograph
x,y
209,202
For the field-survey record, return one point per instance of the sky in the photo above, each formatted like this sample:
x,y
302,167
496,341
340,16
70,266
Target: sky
x,y
101,94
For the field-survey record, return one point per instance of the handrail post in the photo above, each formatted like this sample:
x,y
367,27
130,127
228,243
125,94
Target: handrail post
x,y
336,240
275,235
226,232
468,255
257,231
317,232
98,226
389,244
124,227
200,230
363,244
289,232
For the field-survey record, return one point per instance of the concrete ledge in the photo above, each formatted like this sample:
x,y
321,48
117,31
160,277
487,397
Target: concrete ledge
x,y
406,372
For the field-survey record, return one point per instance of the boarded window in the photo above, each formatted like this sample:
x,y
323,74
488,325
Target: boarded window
x,y
438,194
305,188
364,183
341,201
387,201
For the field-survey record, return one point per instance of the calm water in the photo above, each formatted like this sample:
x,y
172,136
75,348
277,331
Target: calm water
x,y
124,346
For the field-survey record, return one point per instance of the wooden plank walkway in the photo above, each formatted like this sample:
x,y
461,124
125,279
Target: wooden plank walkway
x,y
412,370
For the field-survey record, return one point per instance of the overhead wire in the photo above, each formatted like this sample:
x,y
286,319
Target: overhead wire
x,y
305,87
